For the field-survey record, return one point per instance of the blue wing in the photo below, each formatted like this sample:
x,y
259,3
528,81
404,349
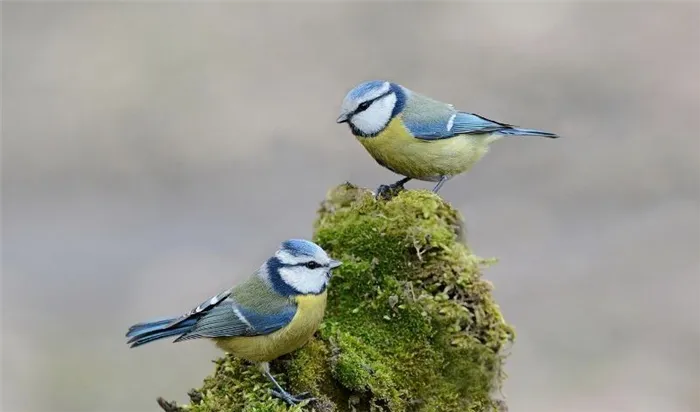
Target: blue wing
x,y
232,319
452,124
219,316
457,123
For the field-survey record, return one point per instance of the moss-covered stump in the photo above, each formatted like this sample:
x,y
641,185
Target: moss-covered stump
x,y
410,324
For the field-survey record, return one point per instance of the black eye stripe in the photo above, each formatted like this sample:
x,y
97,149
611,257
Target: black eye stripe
x,y
365,105
362,107
311,264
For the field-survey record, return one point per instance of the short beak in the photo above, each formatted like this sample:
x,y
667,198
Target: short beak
x,y
342,118
334,264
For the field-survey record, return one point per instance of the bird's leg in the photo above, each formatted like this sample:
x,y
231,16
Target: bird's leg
x,y
439,184
387,191
280,392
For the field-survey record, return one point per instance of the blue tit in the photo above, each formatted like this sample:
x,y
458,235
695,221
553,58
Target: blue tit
x,y
418,137
274,312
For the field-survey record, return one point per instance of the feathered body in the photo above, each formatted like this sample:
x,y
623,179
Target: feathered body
x,y
419,137
272,313
308,317
399,151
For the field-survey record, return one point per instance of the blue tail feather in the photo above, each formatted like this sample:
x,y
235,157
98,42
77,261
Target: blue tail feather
x,y
517,131
146,332
145,326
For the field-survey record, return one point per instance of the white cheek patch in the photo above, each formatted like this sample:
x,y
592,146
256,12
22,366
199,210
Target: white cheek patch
x,y
376,117
304,280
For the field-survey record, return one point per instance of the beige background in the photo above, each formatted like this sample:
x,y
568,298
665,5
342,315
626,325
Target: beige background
x,y
155,153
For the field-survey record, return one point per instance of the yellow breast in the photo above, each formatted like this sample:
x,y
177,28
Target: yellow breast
x,y
264,348
396,149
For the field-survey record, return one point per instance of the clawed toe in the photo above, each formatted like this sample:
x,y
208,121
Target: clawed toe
x,y
386,192
382,191
280,393
290,399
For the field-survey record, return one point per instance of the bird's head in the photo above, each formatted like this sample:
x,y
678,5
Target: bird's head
x,y
370,106
299,267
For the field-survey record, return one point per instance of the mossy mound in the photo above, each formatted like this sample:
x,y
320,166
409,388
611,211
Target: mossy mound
x,y
410,324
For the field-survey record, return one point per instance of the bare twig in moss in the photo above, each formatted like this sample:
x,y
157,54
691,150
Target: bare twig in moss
x,y
195,396
169,406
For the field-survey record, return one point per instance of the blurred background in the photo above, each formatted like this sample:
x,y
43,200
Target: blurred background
x,y
154,153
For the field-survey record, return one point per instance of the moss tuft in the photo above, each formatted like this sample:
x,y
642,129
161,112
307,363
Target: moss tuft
x,y
410,324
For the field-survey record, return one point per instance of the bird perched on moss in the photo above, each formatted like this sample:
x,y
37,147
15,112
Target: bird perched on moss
x,y
272,313
418,137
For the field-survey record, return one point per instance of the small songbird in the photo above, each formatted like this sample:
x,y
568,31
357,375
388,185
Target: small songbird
x,y
274,312
418,137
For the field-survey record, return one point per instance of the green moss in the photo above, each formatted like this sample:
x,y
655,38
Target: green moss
x,y
410,324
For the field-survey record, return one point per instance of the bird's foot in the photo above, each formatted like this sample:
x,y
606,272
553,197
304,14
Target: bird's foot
x,y
439,184
386,192
279,391
291,399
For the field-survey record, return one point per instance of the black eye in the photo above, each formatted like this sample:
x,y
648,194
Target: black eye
x,y
312,265
362,107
